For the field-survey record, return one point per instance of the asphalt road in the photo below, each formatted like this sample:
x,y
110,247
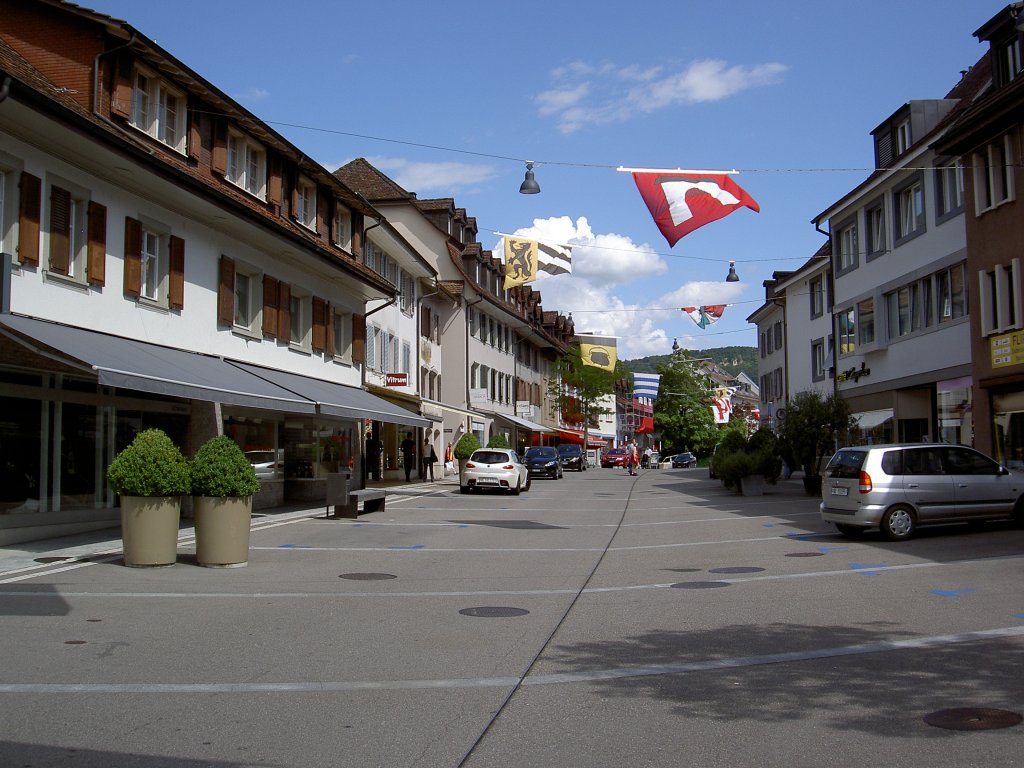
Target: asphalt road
x,y
598,620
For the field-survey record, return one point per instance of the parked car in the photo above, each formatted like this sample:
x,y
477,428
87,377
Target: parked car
x,y
266,464
614,457
543,461
684,460
898,487
572,456
498,469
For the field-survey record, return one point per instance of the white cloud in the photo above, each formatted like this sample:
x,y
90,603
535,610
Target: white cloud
x,y
251,94
703,80
426,177
696,293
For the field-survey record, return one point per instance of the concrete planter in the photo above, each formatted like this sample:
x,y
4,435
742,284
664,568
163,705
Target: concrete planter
x,y
752,485
149,530
222,530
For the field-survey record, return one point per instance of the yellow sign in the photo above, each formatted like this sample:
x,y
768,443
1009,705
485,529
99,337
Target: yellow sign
x,y
1007,349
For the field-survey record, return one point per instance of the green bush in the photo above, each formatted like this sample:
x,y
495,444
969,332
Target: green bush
x,y
498,441
151,466
219,468
730,467
466,445
738,457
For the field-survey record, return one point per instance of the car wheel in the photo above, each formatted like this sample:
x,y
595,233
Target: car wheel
x,y
853,531
528,482
897,524
517,489
1018,513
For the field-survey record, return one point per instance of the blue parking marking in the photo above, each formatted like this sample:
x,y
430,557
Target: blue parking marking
x,y
414,546
294,546
951,592
826,550
866,566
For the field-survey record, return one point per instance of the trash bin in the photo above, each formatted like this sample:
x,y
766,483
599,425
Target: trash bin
x,y
338,486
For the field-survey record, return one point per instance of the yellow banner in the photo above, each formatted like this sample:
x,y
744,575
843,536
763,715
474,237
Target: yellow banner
x,y
599,352
520,261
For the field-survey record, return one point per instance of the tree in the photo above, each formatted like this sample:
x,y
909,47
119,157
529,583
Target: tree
x,y
682,411
810,427
577,388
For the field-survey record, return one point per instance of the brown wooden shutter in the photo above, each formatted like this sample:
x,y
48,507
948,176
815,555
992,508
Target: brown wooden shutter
x,y
319,342
271,289
424,322
226,292
96,251
28,219
132,257
176,289
121,98
322,212
329,341
219,148
358,338
284,312
60,229
195,134
293,206
274,184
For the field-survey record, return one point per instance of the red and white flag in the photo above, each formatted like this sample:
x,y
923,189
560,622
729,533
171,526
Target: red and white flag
x,y
682,201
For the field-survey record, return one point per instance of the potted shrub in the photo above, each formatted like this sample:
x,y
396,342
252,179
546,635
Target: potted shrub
x,y
747,464
223,484
465,447
810,427
150,476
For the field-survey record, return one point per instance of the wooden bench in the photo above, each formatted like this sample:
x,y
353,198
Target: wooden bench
x,y
372,498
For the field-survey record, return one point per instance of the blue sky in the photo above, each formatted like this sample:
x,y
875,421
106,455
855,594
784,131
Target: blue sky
x,y
450,99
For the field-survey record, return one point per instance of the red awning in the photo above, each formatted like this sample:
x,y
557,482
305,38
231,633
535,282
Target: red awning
x,y
574,436
646,425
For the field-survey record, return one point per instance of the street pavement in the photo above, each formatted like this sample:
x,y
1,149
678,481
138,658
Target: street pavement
x,y
597,620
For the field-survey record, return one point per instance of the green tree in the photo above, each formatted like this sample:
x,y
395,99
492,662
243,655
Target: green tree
x,y
682,411
810,427
498,441
578,389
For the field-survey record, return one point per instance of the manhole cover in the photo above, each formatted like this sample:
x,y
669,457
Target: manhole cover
x,y
972,718
700,585
74,642
493,611
806,554
736,569
368,576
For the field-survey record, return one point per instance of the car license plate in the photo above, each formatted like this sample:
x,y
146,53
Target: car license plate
x,y
487,481
839,490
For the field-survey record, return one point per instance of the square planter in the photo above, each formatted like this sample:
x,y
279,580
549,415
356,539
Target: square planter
x,y
752,485
222,530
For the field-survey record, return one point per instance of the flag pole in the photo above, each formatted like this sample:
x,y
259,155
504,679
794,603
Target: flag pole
x,y
672,170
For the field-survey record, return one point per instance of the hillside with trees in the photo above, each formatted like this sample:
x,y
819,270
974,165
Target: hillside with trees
x,y
731,359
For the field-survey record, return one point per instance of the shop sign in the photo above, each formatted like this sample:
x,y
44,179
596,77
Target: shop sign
x,y
478,395
1007,349
853,374
396,379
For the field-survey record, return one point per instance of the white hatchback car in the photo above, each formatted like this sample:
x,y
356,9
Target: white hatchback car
x,y
498,469
897,487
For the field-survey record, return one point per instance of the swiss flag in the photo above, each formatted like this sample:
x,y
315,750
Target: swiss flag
x,y
682,202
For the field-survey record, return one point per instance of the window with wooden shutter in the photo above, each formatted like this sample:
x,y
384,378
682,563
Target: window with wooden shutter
x,y
358,338
195,135
176,282
121,98
274,183
270,305
219,147
60,229
329,337
96,250
226,292
319,341
132,257
29,210
284,312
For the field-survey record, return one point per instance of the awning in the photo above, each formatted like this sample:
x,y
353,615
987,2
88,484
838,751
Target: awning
x,y
871,419
337,399
646,425
577,437
523,423
144,367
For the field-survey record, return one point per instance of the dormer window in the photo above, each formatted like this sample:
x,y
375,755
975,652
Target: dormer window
x,y
903,137
247,165
305,203
158,110
1008,60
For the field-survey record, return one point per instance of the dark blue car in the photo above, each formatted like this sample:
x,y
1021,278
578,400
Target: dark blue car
x,y
543,461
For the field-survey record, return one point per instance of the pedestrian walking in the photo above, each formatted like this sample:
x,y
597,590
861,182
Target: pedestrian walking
x,y
408,455
429,457
632,458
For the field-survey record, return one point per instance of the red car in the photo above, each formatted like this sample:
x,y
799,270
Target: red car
x,y
614,457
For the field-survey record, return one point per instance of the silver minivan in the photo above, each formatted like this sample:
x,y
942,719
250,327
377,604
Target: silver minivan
x,y
899,487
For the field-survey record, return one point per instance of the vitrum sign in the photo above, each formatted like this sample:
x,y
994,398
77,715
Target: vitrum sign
x,y
396,379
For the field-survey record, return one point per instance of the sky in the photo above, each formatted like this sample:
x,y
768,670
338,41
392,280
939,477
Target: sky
x,y
451,99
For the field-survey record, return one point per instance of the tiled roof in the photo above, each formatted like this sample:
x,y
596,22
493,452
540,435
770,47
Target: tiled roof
x,y
366,179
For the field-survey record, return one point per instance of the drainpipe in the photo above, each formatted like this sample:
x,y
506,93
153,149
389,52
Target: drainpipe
x,y
469,306
96,71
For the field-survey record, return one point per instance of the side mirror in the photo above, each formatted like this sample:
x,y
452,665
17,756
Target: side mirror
x,y
1002,470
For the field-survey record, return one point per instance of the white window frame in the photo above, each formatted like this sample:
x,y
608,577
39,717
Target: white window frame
x,y
847,334
10,174
159,110
846,240
342,228
305,194
248,288
342,323
300,308
246,164
874,219
78,238
993,175
903,136
866,322
155,251
910,210
949,195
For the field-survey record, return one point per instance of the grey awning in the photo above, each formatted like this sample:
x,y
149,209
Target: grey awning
x,y
144,367
337,399
524,423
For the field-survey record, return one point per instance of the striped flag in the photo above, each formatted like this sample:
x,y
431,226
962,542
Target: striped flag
x,y
646,384
707,315
525,258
